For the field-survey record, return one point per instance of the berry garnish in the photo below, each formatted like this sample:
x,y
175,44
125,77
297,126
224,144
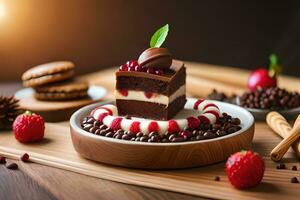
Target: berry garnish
x,y
29,127
133,63
138,68
158,72
265,78
245,169
25,157
123,68
150,70
2,160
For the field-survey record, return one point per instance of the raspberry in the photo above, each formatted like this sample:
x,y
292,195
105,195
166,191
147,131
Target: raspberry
x,y
135,127
153,127
2,160
173,126
245,169
29,127
25,157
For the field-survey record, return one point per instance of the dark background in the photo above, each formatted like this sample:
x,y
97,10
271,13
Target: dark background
x,y
96,34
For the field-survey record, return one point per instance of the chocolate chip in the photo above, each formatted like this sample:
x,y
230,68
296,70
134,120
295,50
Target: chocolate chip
x,y
144,139
139,134
281,166
294,168
109,134
126,137
12,166
217,178
294,180
87,127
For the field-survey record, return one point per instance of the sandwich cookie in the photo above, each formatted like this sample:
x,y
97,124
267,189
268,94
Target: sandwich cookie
x,y
48,73
62,91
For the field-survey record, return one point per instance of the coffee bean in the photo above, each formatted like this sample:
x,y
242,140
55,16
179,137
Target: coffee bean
x,y
12,166
139,134
93,129
87,127
177,139
90,120
119,136
97,132
109,134
126,137
294,180
171,137
281,166
144,139
103,127
96,123
217,178
102,132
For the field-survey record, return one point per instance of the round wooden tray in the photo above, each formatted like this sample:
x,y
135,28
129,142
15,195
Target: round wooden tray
x,y
55,111
162,155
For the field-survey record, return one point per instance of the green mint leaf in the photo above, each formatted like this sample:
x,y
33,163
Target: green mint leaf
x,y
274,67
273,60
159,36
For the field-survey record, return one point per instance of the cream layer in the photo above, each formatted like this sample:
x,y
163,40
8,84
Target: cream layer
x,y
150,97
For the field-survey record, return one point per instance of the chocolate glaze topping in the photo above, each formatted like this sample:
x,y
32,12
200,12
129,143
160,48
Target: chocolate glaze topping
x,y
156,57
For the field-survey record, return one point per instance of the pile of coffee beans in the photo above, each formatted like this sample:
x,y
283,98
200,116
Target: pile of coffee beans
x,y
224,126
221,96
273,98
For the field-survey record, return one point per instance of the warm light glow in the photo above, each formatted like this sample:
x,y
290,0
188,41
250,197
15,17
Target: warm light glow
x,y
2,10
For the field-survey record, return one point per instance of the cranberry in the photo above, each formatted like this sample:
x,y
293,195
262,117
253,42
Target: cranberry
x,y
131,69
123,68
25,157
159,72
128,62
150,70
2,160
138,68
133,63
148,94
184,134
123,92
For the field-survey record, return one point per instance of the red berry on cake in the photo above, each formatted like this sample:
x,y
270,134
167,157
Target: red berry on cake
x,y
265,78
29,127
245,169
123,68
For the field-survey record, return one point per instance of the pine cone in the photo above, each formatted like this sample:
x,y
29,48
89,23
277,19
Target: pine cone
x,y
9,110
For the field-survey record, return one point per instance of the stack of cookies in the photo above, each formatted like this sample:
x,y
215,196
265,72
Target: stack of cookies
x,y
55,82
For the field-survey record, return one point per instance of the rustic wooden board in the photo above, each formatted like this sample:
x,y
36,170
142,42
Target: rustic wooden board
x,y
57,151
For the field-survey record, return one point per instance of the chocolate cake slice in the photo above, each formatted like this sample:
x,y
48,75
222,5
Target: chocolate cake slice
x,y
151,93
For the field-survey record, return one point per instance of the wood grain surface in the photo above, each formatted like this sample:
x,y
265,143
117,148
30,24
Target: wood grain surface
x,y
62,184
57,151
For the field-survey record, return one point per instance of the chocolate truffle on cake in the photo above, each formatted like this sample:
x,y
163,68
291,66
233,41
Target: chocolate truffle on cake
x,y
152,87
149,95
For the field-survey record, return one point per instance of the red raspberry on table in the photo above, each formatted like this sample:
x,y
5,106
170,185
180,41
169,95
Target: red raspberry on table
x,y
245,169
29,127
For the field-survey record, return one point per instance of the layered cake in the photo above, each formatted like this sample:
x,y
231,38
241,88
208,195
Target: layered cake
x,y
152,87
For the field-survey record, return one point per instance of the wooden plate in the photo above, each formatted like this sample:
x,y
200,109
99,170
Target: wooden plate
x,y
55,111
162,155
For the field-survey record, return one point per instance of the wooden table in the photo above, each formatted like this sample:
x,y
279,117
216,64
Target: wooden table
x,y
34,181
